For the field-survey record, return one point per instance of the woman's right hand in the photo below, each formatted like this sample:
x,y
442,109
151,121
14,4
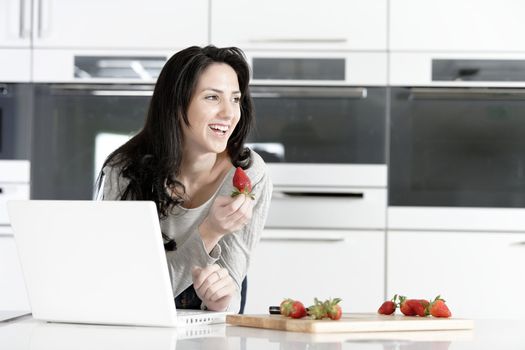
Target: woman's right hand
x,y
226,215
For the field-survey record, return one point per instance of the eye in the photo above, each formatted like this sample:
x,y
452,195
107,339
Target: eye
x,y
212,97
237,99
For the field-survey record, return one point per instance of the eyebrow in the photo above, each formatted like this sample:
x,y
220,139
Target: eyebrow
x,y
220,91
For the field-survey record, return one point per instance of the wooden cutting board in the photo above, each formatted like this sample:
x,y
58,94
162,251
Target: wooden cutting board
x,y
351,323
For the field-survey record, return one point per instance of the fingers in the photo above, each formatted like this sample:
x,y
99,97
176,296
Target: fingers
x,y
242,216
201,275
213,283
220,289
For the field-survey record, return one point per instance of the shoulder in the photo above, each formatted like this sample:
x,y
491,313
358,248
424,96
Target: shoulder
x,y
258,171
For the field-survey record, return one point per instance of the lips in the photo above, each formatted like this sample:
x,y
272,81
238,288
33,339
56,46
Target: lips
x,y
220,129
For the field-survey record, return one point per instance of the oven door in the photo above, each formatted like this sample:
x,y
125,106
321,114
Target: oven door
x,y
15,120
76,126
457,147
320,124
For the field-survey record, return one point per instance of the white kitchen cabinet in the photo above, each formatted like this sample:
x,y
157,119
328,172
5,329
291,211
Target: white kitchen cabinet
x,y
119,24
15,41
13,294
449,25
303,264
15,65
15,19
480,275
296,24
103,24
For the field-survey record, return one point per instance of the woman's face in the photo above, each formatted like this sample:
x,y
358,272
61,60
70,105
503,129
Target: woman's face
x,y
214,110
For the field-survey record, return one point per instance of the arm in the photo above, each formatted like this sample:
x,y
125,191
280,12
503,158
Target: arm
x,y
237,248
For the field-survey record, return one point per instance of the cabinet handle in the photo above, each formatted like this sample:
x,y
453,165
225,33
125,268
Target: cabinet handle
x,y
323,194
518,244
307,92
298,40
467,93
1,190
23,30
42,18
303,239
22,19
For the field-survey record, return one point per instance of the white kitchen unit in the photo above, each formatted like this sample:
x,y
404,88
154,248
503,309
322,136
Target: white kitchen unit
x,y
296,24
15,41
324,237
14,184
13,294
304,264
449,25
15,65
479,274
116,24
417,69
15,16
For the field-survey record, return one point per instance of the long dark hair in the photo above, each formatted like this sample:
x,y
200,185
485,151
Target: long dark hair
x,y
151,160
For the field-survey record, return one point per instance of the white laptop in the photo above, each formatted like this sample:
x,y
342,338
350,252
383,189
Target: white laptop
x,y
97,262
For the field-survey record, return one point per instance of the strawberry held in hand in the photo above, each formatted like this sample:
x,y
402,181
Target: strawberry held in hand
x,y
242,184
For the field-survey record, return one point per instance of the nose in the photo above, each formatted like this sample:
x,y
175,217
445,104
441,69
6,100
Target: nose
x,y
228,109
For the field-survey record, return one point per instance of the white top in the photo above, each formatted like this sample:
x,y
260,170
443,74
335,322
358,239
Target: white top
x,y
233,251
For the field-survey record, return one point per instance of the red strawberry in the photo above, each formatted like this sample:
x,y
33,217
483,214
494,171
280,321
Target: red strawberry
x,y
318,310
405,307
437,308
418,306
242,184
388,307
297,310
333,309
286,307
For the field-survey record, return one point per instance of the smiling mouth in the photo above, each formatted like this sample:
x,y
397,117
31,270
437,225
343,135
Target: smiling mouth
x,y
219,129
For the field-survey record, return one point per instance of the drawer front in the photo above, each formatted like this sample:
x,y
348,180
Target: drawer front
x,y
8,192
303,264
324,208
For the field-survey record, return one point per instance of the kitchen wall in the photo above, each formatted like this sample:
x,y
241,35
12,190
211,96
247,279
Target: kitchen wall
x,y
468,259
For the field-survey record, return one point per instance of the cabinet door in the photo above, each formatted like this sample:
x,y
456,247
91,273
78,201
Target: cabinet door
x,y
15,65
303,264
117,24
12,288
480,275
467,25
15,28
334,24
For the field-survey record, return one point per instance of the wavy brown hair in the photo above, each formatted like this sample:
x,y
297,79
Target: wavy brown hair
x,y
151,160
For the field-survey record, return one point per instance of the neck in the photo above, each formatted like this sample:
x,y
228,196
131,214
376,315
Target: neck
x,y
200,168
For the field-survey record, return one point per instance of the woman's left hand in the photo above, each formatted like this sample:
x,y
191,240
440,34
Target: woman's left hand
x,y
214,286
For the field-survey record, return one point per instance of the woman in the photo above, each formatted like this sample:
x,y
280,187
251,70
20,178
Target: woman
x,y
184,160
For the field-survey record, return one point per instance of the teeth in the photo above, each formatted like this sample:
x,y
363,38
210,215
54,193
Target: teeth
x,y
222,128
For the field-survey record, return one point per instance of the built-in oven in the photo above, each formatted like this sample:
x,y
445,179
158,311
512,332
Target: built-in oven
x,y
457,142
77,123
15,120
321,128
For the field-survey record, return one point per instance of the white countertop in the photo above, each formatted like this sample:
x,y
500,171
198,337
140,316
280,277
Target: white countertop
x,y
26,334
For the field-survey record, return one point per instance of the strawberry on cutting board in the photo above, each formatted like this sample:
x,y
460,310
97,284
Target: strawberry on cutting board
x,y
242,184
333,309
297,310
438,308
388,307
